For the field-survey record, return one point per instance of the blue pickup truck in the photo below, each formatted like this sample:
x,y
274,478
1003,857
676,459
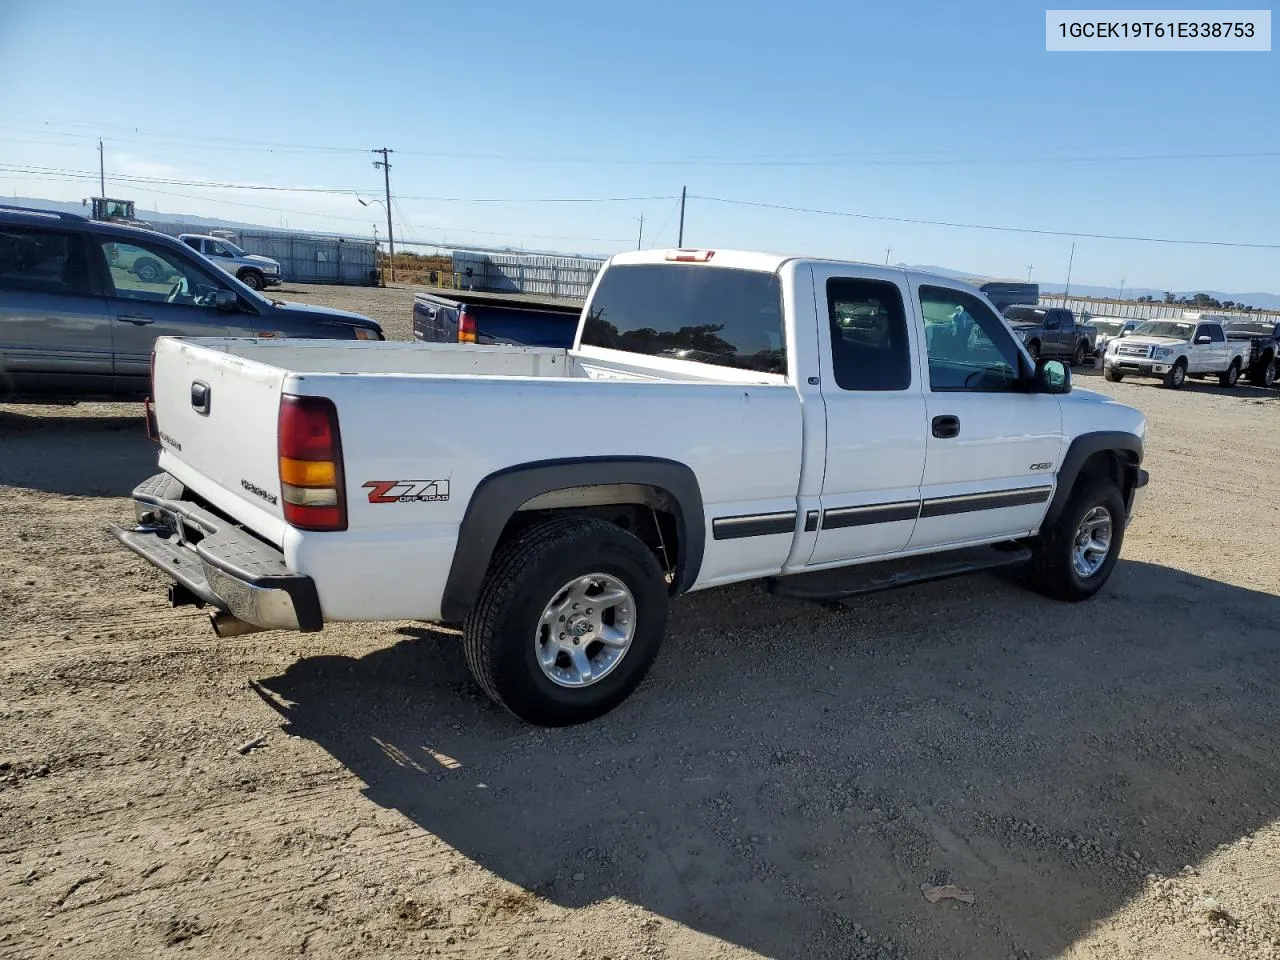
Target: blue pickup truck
x,y
464,316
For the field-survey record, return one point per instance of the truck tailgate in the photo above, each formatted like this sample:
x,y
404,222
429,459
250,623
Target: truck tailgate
x,y
216,414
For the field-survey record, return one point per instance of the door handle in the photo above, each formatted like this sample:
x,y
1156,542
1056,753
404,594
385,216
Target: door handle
x,y
136,319
946,427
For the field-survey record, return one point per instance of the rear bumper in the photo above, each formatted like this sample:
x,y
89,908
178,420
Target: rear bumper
x,y
217,561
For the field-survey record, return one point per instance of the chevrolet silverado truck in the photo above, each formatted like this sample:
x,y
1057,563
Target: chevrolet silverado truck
x,y
828,428
1174,350
1052,332
461,316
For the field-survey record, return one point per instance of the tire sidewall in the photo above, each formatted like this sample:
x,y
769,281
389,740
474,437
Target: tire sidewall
x,y
1098,495
526,690
252,280
1177,380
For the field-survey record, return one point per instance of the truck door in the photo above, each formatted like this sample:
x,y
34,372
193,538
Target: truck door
x,y
992,449
875,415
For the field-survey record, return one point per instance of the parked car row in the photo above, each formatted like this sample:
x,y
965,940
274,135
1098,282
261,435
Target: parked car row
x,y
82,303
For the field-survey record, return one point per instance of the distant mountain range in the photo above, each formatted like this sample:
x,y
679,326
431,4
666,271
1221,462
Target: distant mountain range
x,y
1264,301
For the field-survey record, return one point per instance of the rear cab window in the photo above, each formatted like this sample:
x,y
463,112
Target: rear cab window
x,y
724,316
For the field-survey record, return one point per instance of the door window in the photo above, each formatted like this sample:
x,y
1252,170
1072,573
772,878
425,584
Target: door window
x,y
42,261
140,271
969,347
869,348
215,249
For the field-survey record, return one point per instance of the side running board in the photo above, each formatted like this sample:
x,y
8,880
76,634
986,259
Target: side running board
x,y
833,586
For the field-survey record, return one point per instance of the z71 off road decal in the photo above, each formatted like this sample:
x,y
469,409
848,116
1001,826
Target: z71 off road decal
x,y
407,491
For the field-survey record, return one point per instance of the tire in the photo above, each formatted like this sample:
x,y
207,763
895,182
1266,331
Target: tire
x,y
504,632
147,270
1033,348
1112,375
1053,566
1231,376
252,279
1082,351
1176,376
1264,375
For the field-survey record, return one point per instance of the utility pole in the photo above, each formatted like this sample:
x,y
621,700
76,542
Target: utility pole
x,y
1066,293
887,251
1121,297
641,239
1030,267
680,241
102,171
386,178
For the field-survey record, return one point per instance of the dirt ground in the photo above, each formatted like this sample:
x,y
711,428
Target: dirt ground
x,y
1104,778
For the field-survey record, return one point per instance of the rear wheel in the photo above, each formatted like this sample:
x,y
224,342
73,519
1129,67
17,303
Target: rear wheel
x,y
1073,558
569,620
1264,375
1112,374
1231,376
1176,376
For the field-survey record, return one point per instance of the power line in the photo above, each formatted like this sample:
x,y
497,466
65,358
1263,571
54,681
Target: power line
x,y
986,226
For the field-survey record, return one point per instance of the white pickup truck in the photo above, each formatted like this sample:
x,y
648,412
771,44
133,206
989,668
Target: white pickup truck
x,y
721,416
1174,350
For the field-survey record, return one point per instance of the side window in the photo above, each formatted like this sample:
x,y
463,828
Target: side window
x,y
140,271
215,249
42,261
1215,333
869,347
969,348
192,242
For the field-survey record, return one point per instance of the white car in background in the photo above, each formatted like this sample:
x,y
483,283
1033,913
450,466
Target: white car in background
x,y
1174,350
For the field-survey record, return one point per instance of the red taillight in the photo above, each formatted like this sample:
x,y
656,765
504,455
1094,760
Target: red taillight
x,y
690,256
310,463
466,327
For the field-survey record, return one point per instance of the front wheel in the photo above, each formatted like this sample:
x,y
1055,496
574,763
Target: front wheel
x,y
1176,376
1112,375
569,620
252,279
1082,350
1231,376
1073,558
1033,348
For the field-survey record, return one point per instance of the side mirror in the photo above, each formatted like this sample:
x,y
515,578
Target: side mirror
x,y
1204,338
225,301
1052,376
1125,333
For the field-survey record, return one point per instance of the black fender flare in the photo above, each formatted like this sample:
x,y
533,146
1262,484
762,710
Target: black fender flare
x,y
1081,449
500,495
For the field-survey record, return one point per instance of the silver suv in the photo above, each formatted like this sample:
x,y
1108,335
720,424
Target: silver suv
x,y
249,268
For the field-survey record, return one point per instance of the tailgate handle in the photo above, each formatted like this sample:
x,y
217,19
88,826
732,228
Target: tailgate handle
x,y
200,397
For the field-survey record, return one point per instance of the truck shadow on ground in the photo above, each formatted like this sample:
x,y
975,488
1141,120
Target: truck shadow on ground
x,y
1243,390
50,452
788,776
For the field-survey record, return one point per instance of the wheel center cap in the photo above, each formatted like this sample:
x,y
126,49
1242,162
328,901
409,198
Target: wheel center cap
x,y
578,625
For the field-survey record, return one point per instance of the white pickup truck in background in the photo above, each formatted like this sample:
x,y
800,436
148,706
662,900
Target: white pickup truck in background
x,y
1174,350
832,428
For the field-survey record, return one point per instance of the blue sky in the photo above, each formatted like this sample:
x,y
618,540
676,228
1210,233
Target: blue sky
x,y
919,111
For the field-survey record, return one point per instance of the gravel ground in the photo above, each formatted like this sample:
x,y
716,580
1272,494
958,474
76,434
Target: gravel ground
x,y
1103,778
